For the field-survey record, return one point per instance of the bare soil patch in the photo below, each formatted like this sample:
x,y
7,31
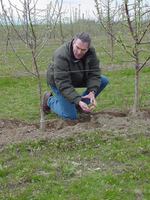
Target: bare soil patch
x,y
15,131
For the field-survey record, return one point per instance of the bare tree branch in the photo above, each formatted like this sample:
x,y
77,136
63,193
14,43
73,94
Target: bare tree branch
x,y
144,32
144,64
21,60
129,20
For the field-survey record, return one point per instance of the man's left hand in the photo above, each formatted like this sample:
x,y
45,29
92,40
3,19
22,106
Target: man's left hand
x,y
91,96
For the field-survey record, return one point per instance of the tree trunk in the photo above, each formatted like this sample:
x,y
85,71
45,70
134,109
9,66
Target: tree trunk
x,y
136,89
42,116
42,119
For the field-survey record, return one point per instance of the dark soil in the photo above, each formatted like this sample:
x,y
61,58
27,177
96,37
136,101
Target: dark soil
x,y
15,131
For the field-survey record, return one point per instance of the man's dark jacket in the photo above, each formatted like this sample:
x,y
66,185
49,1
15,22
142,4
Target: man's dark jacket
x,y
67,73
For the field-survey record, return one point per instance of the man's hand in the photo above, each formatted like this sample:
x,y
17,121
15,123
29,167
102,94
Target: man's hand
x,y
91,97
84,106
92,105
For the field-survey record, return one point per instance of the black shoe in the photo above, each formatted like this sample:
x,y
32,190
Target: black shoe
x,y
45,107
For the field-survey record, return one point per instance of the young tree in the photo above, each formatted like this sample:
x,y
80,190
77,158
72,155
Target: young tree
x,y
138,25
29,26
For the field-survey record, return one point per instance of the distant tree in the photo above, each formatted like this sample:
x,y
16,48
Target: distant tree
x,y
107,10
26,21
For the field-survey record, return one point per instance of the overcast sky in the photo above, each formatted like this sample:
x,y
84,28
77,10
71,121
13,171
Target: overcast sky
x,y
85,5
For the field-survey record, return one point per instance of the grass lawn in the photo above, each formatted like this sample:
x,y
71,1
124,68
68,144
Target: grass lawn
x,y
87,166
83,167
90,165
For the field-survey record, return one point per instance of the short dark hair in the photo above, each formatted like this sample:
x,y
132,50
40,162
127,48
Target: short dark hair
x,y
84,37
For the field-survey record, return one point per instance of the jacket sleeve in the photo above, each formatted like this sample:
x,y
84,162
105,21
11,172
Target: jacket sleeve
x,y
63,80
93,80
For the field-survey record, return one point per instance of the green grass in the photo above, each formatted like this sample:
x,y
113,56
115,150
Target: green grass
x,y
85,166
10,64
19,95
20,99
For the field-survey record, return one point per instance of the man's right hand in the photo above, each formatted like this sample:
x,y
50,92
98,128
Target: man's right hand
x,y
84,107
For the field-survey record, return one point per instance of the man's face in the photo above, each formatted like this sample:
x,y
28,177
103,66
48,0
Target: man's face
x,y
79,48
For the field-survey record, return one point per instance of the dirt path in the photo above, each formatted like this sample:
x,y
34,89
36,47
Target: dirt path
x,y
13,131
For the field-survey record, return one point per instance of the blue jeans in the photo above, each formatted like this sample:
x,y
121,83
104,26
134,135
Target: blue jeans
x,y
66,110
